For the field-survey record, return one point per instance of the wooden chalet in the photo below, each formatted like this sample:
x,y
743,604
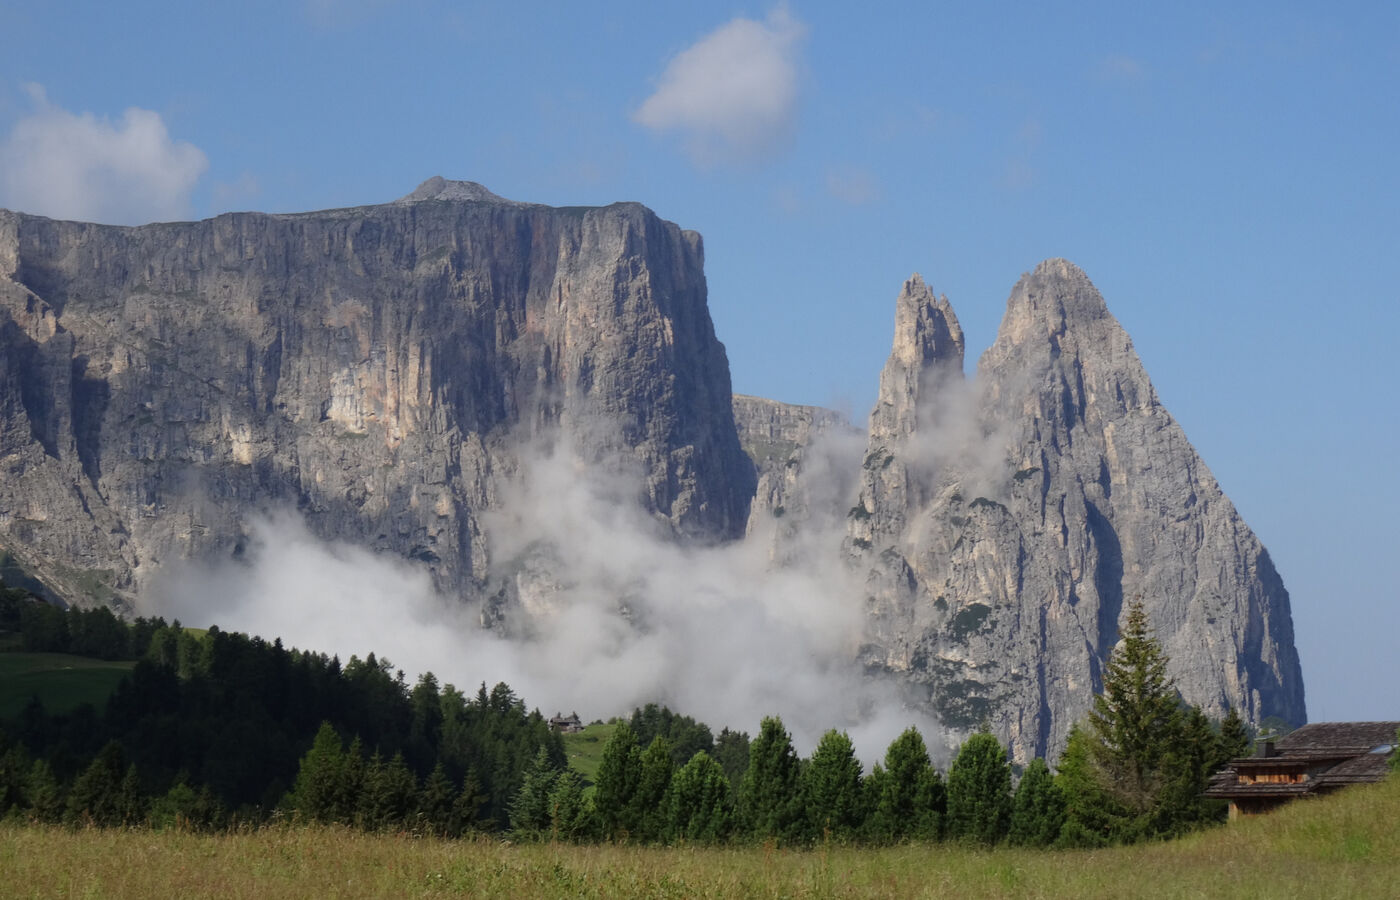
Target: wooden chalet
x,y
569,724
1315,759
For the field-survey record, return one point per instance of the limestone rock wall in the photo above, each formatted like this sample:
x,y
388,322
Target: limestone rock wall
x,y
375,367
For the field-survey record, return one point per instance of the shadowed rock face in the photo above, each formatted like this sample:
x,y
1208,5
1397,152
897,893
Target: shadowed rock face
x,y
374,367
1003,536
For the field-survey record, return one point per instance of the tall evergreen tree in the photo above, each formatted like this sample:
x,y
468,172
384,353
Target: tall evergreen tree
x,y
700,807
648,804
1094,817
318,793
769,801
530,811
1038,809
979,791
619,773
434,810
832,789
1135,721
909,798
570,813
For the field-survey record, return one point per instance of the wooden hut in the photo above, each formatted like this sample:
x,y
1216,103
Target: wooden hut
x,y
1315,759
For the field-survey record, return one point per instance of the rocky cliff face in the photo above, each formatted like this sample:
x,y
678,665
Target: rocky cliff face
x,y
376,368
1004,525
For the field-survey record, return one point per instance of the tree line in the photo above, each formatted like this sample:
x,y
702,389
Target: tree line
x,y
215,728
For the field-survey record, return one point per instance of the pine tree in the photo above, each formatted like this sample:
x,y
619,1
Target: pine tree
x,y
909,797
979,791
43,793
318,795
832,790
530,810
435,802
96,795
1094,817
1136,719
570,815
1235,739
700,807
647,809
619,772
1038,809
769,802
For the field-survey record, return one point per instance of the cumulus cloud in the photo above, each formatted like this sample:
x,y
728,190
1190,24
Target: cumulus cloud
x,y
732,96
612,614
78,166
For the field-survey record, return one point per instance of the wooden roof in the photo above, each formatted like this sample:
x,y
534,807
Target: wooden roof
x,y
1334,754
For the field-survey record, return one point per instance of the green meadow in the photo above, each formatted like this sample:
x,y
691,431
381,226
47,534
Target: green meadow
x,y
61,681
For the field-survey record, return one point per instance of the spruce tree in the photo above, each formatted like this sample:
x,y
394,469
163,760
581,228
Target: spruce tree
x,y
1135,720
317,793
1038,809
701,806
570,814
979,791
435,803
831,788
769,802
619,772
1094,817
909,797
648,804
530,809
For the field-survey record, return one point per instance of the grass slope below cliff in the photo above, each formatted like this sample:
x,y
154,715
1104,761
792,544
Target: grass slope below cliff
x,y
1341,846
62,682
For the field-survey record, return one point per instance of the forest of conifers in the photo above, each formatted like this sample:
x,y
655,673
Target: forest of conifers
x,y
213,729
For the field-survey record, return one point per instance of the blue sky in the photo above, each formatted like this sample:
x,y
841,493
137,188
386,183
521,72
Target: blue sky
x,y
1228,178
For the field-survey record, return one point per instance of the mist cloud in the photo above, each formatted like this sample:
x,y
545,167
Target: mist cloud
x,y
613,613
733,94
77,166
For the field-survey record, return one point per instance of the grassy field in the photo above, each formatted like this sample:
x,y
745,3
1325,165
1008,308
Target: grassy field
x,y
585,749
61,681
1343,846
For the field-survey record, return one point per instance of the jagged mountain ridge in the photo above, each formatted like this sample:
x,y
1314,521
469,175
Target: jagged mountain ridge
x,y
1004,525
375,367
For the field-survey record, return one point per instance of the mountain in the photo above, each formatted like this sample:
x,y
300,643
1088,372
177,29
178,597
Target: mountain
x,y
395,373
376,368
1004,524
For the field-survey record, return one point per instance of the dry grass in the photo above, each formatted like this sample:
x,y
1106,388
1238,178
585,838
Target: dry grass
x,y
1345,846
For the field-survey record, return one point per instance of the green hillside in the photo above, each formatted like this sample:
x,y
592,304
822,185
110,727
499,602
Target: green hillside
x,y
585,749
61,681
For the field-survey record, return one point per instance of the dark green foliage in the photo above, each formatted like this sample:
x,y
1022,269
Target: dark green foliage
x,y
979,791
100,795
769,803
619,773
434,812
319,793
907,795
648,803
1093,815
570,813
832,788
732,753
388,794
687,737
1235,738
1136,718
1038,809
700,807
530,810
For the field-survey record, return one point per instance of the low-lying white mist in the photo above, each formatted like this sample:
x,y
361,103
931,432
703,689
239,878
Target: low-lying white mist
x,y
614,612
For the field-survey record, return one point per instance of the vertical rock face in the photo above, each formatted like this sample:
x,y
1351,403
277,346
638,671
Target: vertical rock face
x,y
375,367
803,456
1003,541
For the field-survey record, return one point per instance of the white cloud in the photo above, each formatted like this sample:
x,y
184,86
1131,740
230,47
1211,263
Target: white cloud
x,y
732,95
77,166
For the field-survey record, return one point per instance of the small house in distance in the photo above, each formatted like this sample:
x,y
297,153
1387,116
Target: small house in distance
x,y
569,724
1315,759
